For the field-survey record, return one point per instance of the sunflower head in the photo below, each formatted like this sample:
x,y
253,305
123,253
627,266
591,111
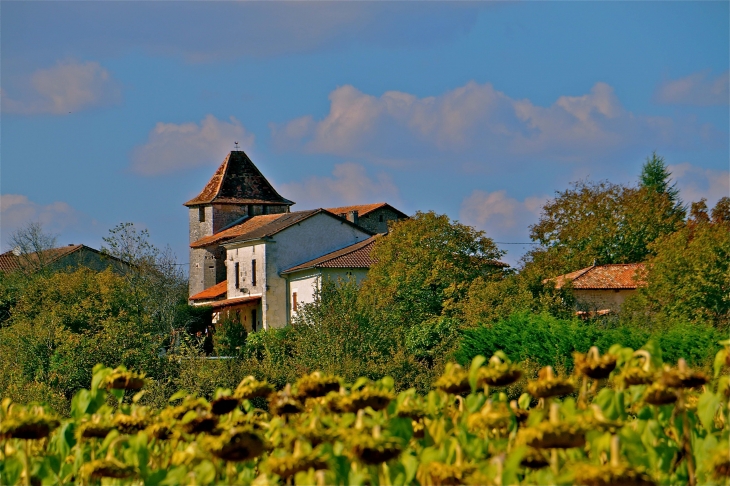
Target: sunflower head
x,y
593,365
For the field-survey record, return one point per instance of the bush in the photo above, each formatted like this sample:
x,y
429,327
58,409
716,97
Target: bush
x,y
548,340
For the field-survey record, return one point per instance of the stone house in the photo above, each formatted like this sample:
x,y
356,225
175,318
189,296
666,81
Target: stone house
x,y
244,239
70,257
602,289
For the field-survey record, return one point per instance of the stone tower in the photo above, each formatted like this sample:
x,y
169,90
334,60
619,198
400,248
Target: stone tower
x,y
236,192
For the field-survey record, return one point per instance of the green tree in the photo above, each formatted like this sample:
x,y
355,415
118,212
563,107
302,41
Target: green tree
x,y
689,275
656,177
599,222
423,269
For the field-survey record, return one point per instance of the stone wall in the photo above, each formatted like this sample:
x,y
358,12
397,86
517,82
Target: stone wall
x,y
594,300
377,220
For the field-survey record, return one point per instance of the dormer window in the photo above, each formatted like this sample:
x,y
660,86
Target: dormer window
x,y
201,214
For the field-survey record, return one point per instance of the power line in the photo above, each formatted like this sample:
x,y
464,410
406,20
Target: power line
x,y
506,243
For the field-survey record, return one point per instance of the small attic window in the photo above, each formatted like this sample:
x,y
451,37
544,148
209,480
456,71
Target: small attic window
x,y
380,218
201,214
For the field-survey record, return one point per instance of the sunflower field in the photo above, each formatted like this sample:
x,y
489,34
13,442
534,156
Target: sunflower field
x,y
622,418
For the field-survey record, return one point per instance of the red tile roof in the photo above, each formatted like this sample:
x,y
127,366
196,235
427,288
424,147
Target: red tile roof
x,y
363,209
10,262
236,301
615,276
238,181
212,293
353,256
256,227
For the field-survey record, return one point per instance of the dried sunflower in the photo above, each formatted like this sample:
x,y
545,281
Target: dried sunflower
x,y
548,385
368,396
190,403
250,388
224,404
682,376
534,459
28,424
121,379
607,475
455,380
494,421
283,403
96,428
107,468
660,394
195,422
236,445
316,385
286,466
374,448
721,464
639,375
410,408
554,434
593,365
498,373
160,431
130,424
439,473
521,415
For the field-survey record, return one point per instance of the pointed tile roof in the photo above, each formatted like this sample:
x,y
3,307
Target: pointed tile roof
x,y
363,209
216,291
238,181
613,276
353,256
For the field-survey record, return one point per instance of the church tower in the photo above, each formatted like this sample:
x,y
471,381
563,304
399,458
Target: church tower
x,y
236,192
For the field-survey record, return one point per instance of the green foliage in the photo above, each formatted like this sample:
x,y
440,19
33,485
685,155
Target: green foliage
x,y
365,433
656,177
429,340
547,340
424,267
689,276
229,338
602,223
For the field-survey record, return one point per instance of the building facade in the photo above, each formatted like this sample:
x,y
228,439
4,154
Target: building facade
x,y
244,239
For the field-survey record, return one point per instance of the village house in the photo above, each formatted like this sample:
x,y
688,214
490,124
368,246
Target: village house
x,y
602,289
70,257
255,261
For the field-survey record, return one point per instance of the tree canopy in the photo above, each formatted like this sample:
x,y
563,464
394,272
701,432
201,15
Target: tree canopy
x,y
424,267
602,223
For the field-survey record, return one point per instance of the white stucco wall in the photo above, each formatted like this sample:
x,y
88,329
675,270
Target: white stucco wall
x,y
311,238
306,282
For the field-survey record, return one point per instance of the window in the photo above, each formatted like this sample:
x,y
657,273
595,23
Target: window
x,y
253,319
380,218
294,302
201,214
253,272
236,269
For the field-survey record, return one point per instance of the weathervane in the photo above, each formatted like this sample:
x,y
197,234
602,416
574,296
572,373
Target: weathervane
x,y
236,145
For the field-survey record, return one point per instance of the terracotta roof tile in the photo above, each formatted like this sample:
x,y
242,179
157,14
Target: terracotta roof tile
x,y
211,293
353,256
10,262
255,227
363,209
238,181
235,301
615,276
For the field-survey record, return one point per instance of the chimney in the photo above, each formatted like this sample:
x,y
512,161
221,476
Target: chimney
x,y
352,216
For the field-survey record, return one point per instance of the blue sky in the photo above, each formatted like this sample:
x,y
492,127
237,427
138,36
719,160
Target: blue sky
x,y
121,111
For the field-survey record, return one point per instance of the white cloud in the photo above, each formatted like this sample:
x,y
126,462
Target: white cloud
x,y
697,89
350,184
67,87
478,121
498,212
695,183
171,147
17,210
